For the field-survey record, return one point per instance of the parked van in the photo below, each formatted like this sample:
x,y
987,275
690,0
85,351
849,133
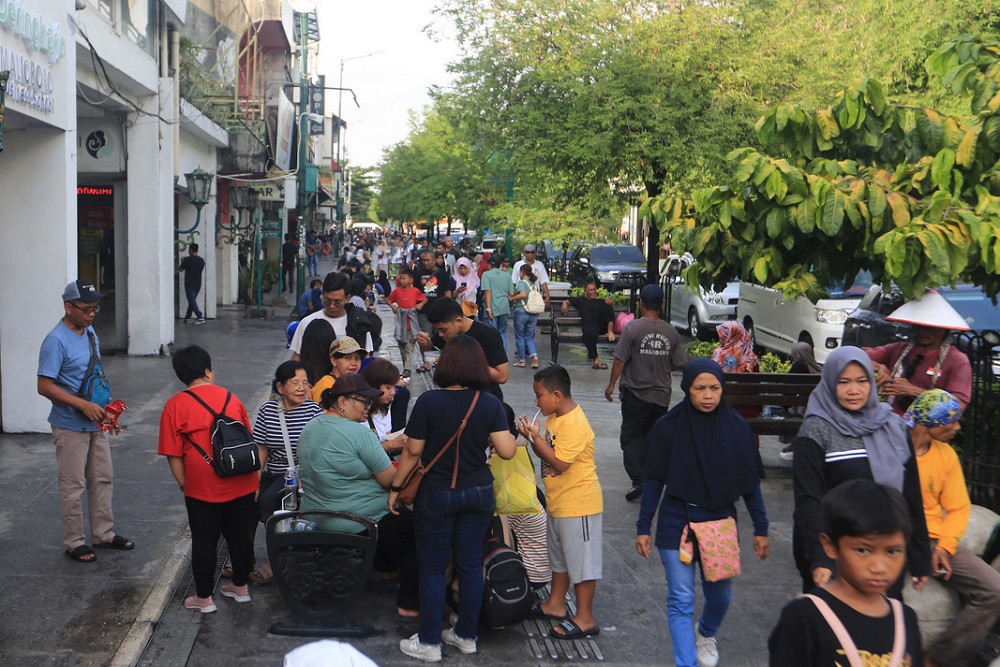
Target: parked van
x,y
776,323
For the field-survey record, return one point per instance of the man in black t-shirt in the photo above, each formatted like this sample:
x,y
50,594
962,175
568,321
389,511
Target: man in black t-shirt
x,y
192,267
289,251
595,315
434,282
448,321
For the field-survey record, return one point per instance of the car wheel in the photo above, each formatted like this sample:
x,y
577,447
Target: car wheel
x,y
694,329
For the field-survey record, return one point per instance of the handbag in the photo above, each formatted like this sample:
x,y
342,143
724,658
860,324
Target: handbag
x,y
846,643
620,321
514,484
411,483
716,546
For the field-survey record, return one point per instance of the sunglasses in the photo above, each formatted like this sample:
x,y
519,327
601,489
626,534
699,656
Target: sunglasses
x,y
368,402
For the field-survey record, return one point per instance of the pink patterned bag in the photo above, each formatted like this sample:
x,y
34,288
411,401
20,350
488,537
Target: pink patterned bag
x,y
718,548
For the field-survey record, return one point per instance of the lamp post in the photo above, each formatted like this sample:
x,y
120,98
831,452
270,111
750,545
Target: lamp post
x,y
199,184
303,7
340,101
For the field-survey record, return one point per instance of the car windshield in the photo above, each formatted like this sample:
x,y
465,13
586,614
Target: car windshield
x,y
861,284
616,255
974,306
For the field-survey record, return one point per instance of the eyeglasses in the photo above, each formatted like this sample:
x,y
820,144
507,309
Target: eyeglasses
x,y
368,402
296,384
333,302
93,310
529,252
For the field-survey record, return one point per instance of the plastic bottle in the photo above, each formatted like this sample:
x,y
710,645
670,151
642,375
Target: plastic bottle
x,y
290,494
766,412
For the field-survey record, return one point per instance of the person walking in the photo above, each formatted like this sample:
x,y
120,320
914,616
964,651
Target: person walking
x,y
648,351
192,267
83,451
215,505
705,456
538,268
496,287
524,322
289,252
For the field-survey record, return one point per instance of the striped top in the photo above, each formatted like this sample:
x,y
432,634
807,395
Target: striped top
x,y
267,432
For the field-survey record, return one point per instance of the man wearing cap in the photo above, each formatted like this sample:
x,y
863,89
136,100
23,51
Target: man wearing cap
x,y
933,419
495,284
83,451
907,368
537,268
647,353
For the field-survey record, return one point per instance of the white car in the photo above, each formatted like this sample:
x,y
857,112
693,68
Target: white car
x,y
698,312
776,323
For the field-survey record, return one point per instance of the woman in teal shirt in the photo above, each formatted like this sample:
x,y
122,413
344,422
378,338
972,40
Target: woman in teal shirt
x,y
344,468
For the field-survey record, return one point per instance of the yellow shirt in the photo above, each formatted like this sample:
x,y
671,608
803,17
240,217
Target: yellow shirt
x,y
946,498
576,491
324,383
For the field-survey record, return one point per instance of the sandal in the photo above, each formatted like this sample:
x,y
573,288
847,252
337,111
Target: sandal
x,y
82,554
536,612
600,366
227,571
519,364
262,575
570,630
119,542
534,362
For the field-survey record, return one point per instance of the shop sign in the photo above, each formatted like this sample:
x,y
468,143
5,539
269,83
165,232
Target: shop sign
x,y
31,27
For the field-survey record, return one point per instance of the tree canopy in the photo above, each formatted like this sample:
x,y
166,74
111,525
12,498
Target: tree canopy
x,y
906,192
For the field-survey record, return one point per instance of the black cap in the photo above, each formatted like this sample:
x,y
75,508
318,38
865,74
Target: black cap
x,y
81,290
353,383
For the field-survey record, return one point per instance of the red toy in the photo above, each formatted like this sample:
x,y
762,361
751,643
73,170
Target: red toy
x,y
112,411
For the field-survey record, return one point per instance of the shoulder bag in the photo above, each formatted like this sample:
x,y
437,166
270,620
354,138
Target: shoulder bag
x,y
850,650
535,302
716,546
411,484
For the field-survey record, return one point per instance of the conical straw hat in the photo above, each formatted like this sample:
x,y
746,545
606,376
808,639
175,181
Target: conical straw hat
x,y
929,311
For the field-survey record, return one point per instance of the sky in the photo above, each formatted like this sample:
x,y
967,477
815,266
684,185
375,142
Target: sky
x,y
387,84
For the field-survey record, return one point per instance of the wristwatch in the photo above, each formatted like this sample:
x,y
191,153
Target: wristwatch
x,y
394,488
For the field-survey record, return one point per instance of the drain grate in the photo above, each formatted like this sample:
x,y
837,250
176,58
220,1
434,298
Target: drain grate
x,y
543,647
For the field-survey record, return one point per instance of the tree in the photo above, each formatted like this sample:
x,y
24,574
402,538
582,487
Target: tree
x,y
362,192
907,192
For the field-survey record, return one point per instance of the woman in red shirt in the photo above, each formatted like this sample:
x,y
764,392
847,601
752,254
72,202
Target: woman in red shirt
x,y
215,505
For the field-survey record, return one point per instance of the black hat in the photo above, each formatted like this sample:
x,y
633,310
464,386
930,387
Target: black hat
x,y
353,383
495,260
81,290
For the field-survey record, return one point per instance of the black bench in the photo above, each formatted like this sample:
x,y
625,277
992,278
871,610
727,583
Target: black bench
x,y
781,391
566,328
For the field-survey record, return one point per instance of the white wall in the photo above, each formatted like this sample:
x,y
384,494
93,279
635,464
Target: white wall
x,y
195,153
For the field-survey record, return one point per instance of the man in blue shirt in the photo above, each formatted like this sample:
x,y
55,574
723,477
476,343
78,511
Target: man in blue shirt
x,y
83,451
311,300
192,267
314,245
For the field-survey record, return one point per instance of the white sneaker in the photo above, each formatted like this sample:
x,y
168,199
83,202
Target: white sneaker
x,y
467,646
200,320
708,650
426,652
787,454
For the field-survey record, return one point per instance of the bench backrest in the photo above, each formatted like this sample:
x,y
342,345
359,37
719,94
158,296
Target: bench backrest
x,y
786,389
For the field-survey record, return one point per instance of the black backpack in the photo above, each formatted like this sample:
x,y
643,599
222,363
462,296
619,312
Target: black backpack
x,y
507,593
234,451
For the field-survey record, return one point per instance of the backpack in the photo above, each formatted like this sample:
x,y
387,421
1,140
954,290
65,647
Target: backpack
x,y
535,303
234,451
95,387
507,594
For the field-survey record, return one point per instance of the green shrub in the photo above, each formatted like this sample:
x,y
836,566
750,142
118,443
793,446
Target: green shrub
x,y
772,363
700,349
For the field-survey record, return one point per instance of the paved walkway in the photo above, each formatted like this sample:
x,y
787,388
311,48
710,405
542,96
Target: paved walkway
x,y
58,612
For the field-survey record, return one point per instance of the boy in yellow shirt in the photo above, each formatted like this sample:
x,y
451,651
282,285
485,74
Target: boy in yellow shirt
x,y
574,503
934,420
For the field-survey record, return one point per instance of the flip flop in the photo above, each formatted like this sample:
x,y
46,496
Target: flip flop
x,y
119,542
600,367
81,553
519,364
262,575
572,631
537,612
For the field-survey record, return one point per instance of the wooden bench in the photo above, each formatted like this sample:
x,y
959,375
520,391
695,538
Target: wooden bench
x,y
781,391
566,328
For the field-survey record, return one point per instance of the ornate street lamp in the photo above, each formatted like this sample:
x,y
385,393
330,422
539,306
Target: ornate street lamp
x,y
242,197
199,185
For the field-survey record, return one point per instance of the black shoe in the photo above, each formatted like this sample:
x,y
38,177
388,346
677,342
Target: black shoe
x,y
634,493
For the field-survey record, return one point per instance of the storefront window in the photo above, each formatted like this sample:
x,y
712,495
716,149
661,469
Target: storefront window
x,y
104,9
139,22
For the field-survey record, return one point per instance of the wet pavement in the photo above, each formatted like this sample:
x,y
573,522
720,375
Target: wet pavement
x,y
125,608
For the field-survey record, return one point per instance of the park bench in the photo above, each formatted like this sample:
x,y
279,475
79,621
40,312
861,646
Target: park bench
x,y
781,391
321,574
567,328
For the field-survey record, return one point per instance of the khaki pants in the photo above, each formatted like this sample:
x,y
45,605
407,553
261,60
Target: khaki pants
x,y
84,462
978,585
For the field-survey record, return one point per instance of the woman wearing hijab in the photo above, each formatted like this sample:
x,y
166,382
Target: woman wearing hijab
x,y
705,455
847,434
466,286
735,352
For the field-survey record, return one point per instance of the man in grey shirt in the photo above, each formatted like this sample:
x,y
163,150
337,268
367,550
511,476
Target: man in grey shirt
x,y
648,351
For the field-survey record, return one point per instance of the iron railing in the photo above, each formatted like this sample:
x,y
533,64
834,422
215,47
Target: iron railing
x,y
978,443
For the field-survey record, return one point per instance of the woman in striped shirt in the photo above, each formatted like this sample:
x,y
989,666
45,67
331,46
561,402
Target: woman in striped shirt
x,y
292,386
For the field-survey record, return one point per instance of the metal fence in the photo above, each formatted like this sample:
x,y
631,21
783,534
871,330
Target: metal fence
x,y
978,442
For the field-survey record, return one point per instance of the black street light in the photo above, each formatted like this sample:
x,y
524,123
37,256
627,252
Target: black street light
x,y
199,184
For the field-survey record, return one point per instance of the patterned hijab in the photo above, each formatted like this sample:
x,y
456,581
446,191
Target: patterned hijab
x,y
885,441
735,352
934,407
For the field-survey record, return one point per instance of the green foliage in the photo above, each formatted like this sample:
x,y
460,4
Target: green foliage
x,y
908,193
617,298
772,363
700,349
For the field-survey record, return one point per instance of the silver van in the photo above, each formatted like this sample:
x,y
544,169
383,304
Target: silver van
x,y
776,323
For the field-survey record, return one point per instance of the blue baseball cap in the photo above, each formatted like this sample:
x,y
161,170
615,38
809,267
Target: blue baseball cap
x,y
81,290
651,295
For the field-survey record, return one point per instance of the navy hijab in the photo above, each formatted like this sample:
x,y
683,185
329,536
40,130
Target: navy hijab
x,y
706,459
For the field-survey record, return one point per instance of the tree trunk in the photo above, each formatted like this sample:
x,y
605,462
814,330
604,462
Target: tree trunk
x,y
653,188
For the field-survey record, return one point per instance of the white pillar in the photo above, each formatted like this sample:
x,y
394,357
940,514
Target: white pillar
x,y
151,225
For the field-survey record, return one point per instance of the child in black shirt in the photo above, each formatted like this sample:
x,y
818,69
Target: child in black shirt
x,y
867,527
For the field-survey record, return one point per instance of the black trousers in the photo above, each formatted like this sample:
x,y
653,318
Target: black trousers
x,y
208,521
590,334
397,550
638,418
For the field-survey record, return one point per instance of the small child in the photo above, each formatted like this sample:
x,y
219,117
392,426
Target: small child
x,y
405,301
867,528
574,503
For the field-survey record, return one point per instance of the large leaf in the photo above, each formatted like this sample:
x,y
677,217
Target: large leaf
x,y
827,125
966,153
941,168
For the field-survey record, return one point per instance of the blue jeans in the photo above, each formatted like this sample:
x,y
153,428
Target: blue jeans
x,y
524,333
192,297
312,264
500,324
446,522
680,606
